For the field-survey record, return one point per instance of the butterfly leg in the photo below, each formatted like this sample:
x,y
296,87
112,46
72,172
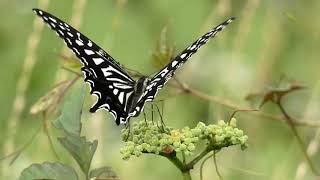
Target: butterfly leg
x,y
152,113
161,117
153,122
145,117
161,112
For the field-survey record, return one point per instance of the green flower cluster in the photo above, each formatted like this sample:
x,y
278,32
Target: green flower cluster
x,y
147,137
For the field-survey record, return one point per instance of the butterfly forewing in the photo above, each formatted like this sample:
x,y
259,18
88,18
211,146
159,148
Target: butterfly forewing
x,y
159,80
108,81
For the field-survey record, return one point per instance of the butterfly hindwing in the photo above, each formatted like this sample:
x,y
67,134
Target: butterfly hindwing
x,y
117,92
108,81
160,79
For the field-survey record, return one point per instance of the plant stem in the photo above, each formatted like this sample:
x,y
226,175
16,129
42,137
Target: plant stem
x,y
299,139
185,170
193,92
216,165
198,158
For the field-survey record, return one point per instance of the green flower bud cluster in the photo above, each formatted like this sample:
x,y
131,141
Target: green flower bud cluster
x,y
147,137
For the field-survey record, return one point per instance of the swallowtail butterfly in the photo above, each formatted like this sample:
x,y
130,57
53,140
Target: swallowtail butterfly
x,y
116,91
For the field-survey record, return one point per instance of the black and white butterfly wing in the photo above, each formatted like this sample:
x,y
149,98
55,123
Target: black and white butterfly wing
x,y
108,81
160,79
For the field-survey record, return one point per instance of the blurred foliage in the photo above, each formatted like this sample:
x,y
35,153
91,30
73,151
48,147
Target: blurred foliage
x,y
268,39
48,170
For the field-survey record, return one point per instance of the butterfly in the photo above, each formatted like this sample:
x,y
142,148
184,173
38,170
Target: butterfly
x,y
116,91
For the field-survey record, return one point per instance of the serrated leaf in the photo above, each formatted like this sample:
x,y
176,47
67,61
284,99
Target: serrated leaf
x,y
70,119
48,170
80,149
103,173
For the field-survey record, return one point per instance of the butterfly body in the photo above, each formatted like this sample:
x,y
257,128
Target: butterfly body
x,y
116,91
139,89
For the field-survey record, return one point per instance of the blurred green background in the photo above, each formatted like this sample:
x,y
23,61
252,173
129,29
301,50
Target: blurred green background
x,y
268,39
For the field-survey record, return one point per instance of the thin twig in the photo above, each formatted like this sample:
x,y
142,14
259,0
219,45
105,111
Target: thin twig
x,y
46,131
190,91
18,152
299,139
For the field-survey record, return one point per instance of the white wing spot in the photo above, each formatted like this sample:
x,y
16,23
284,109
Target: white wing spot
x,y
220,27
66,24
115,91
84,61
110,86
133,113
183,55
120,97
174,63
90,43
45,18
98,61
105,71
122,86
78,34
88,51
116,79
40,12
76,50
138,108
106,106
164,72
193,47
70,34
53,25
62,27
53,20
122,120
79,42
114,114
69,41
60,32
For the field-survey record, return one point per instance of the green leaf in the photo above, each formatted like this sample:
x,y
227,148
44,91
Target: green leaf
x,y
70,118
103,173
48,170
80,149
